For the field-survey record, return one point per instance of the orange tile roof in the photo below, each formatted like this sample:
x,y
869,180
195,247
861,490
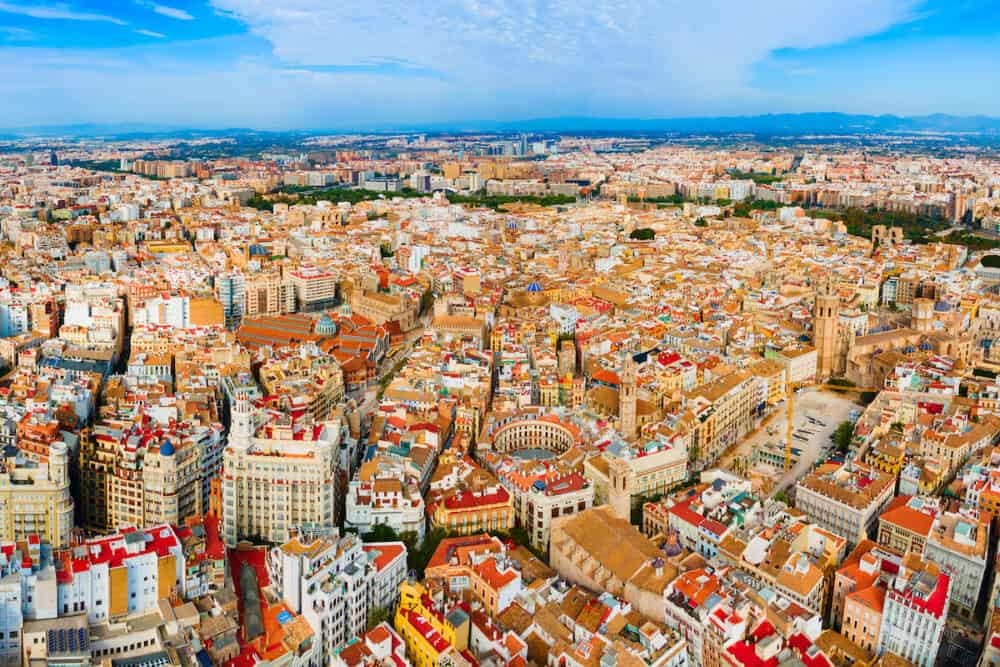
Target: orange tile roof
x,y
901,514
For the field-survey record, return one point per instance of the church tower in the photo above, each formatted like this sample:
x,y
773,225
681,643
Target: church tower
x,y
620,488
826,314
922,314
626,398
241,430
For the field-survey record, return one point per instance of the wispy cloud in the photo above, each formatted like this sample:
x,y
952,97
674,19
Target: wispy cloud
x,y
644,55
166,10
150,33
14,34
56,12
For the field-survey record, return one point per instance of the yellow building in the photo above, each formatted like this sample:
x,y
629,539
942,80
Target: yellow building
x,y
428,632
35,500
471,512
887,454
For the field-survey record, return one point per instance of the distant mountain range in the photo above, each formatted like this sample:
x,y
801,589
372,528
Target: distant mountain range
x,y
768,124
786,123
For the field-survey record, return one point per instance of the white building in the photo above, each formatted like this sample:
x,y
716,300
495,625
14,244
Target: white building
x,y
389,561
123,574
914,613
279,478
385,495
11,621
333,583
172,310
959,543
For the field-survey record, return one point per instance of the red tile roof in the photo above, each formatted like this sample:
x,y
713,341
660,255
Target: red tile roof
x,y
387,552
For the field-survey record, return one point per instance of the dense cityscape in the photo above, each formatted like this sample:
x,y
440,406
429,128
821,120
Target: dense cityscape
x,y
500,399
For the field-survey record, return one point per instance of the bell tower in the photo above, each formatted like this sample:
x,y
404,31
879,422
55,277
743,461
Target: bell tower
x,y
826,314
620,488
627,398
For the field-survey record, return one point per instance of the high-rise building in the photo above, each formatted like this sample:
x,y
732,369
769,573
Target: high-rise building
x,y
142,474
230,288
279,478
315,289
268,294
334,583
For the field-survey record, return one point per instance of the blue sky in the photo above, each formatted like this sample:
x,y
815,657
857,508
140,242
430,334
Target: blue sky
x,y
341,63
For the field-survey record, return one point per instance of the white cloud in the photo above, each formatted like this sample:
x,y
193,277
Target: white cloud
x,y
653,52
171,12
56,11
150,33
14,34
158,85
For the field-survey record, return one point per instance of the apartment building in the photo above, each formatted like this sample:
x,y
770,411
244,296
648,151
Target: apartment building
x,y
385,493
141,472
845,499
906,523
35,498
305,378
958,544
537,502
725,410
868,566
469,512
267,293
278,478
333,583
435,633
915,610
315,289
123,574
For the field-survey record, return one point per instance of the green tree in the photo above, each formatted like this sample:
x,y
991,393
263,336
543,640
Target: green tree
x,y
642,234
380,533
377,615
843,435
421,555
782,497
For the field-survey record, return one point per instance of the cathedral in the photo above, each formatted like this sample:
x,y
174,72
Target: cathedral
x,y
865,356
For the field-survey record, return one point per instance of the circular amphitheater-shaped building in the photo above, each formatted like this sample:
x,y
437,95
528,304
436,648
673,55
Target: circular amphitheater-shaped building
x,y
533,432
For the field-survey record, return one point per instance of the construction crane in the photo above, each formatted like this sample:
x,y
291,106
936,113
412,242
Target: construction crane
x,y
791,388
856,390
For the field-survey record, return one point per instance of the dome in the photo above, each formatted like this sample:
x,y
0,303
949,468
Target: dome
x,y
167,449
326,326
534,287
